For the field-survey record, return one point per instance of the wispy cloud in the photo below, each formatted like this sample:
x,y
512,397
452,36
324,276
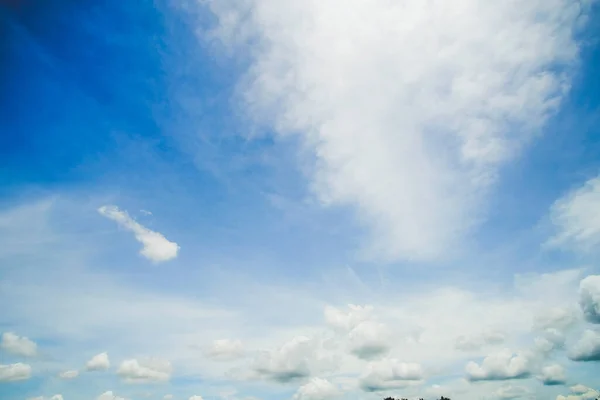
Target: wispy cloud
x,y
156,247
409,108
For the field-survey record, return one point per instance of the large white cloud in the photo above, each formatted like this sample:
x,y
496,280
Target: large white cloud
x,y
289,362
14,372
577,218
587,347
500,366
369,340
18,345
409,107
156,247
225,349
589,298
99,362
390,374
145,370
317,389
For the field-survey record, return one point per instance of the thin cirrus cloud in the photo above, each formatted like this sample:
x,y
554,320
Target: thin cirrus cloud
x,y
156,247
410,108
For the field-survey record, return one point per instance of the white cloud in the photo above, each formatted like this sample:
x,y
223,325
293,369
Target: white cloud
x,y
109,395
71,374
290,362
500,366
346,321
476,342
14,372
168,397
317,389
589,298
559,318
577,218
145,370
410,108
18,345
390,374
580,392
57,397
511,392
587,347
99,362
553,374
369,340
225,349
196,398
155,246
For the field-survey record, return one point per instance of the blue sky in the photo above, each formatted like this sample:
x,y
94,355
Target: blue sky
x,y
307,200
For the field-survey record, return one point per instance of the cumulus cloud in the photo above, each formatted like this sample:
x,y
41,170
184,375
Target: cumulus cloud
x,y
369,340
501,366
290,362
410,108
580,392
587,347
559,318
317,389
109,395
550,340
577,218
225,349
195,398
99,362
469,343
346,320
390,374
71,374
145,370
553,374
156,247
511,392
14,372
589,298
168,397
18,345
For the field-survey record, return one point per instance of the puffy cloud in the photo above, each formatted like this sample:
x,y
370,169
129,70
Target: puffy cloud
x,y
14,372
369,340
559,318
317,389
99,362
109,395
225,349
587,347
18,345
156,247
577,218
390,374
346,321
501,366
57,397
580,392
196,398
410,108
71,374
291,361
553,374
550,340
589,298
145,370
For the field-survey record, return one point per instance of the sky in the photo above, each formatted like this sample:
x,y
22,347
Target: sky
x,y
304,200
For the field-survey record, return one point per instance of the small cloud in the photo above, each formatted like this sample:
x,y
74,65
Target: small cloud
x,y
145,371
18,345
288,363
14,372
511,392
99,362
346,321
145,212
72,374
168,397
225,350
501,366
109,395
390,374
552,375
317,389
587,348
156,247
196,398
589,298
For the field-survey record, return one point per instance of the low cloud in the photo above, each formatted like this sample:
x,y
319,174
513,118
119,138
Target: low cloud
x,y
18,345
14,372
390,374
552,375
317,389
99,362
225,350
145,370
587,347
109,395
589,298
155,248
501,366
72,374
